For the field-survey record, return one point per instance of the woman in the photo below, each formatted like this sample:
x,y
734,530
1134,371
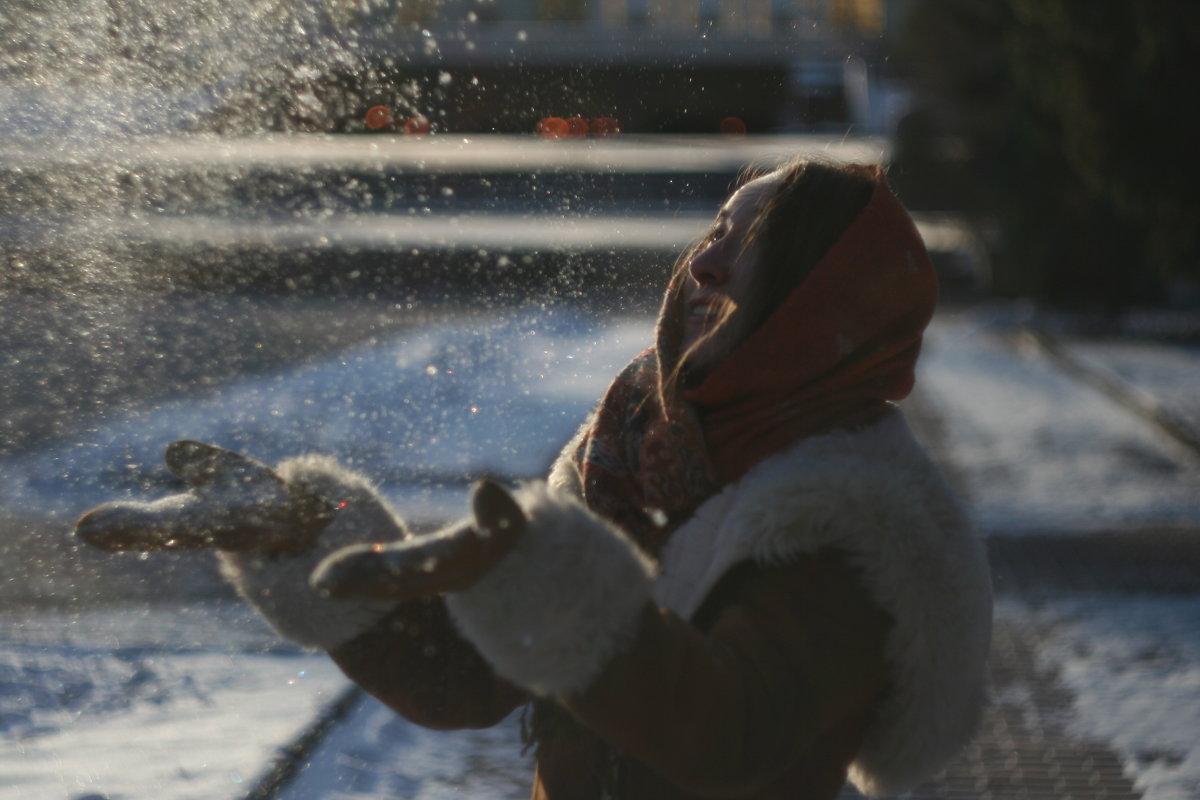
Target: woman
x,y
743,578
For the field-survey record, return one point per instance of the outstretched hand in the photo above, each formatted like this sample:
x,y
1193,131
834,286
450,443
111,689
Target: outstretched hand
x,y
233,503
425,565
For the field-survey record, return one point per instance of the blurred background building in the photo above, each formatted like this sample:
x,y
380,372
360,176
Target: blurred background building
x,y
655,65
1057,128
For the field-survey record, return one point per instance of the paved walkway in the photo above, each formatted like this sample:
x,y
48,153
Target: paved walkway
x,y
1024,749
1027,747
1030,745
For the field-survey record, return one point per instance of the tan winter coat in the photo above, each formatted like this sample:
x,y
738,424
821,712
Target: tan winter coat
x,y
826,617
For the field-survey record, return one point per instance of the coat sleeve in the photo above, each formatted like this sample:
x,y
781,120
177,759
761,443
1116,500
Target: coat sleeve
x,y
787,658
415,662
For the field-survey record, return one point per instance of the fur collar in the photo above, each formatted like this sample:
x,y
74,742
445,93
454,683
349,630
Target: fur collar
x,y
874,494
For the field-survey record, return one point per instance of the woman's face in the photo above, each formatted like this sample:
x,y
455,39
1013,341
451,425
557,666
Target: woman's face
x,y
720,274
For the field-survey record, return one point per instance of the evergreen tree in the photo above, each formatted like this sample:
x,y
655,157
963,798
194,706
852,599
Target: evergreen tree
x,y
1075,121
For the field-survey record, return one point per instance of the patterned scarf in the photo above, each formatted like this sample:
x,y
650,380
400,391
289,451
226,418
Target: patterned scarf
x,y
843,344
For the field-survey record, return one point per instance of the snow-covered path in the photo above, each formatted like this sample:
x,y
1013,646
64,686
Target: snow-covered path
x,y
1132,663
1158,380
172,703
1042,451
195,701
420,413
1045,453
373,753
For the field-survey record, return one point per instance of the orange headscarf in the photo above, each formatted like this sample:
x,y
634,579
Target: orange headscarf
x,y
843,344
845,341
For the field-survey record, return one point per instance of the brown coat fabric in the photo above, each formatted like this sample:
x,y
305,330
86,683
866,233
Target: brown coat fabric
x,y
827,617
765,693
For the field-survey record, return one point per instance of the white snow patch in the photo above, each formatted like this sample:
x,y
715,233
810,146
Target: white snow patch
x,y
1040,450
1164,376
418,413
373,754
140,702
1133,663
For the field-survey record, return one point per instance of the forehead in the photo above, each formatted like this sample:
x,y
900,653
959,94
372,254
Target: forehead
x,y
743,203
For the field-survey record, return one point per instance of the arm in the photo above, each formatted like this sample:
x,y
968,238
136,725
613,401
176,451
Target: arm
x,y
416,663
447,684
269,529
406,653
781,659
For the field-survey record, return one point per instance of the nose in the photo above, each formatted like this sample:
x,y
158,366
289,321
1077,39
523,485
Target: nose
x,y
707,267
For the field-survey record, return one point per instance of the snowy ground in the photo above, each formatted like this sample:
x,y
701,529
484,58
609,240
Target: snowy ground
x,y
201,698
171,703
1036,451
375,754
1133,664
1162,376
1042,452
420,413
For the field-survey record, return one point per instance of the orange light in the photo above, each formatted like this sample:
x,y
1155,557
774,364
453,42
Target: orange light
x,y
378,117
552,128
417,126
733,126
603,127
577,127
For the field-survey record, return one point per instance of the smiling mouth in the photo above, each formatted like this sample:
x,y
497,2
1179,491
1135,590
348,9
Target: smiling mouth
x,y
703,313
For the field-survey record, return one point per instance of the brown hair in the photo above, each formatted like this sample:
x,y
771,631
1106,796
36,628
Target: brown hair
x,y
801,217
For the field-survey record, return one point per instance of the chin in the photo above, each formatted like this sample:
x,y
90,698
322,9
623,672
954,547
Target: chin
x,y
701,361
704,353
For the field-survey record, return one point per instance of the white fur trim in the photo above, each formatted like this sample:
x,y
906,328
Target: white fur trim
x,y
564,473
277,584
554,611
875,495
